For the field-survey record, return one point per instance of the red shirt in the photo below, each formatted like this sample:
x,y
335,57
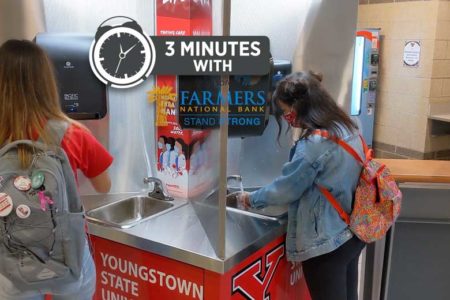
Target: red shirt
x,y
85,152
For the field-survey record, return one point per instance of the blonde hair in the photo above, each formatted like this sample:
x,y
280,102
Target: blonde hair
x,y
28,96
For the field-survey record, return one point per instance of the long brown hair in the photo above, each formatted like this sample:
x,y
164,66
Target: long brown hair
x,y
28,95
315,107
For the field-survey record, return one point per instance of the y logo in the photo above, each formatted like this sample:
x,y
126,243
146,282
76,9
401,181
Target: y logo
x,y
251,282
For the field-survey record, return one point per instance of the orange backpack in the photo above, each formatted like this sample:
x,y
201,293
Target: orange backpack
x,y
377,198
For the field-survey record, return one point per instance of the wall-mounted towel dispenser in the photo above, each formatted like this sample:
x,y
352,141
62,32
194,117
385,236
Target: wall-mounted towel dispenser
x,y
82,95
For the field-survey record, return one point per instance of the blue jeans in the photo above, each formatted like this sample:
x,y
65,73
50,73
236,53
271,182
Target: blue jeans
x,y
83,289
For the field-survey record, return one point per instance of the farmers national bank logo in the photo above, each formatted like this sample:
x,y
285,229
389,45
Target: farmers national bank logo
x,y
254,281
201,99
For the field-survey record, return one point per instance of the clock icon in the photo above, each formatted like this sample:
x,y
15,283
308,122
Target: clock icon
x,y
122,56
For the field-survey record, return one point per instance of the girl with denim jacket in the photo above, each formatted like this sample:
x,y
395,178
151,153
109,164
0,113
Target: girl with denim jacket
x,y
316,235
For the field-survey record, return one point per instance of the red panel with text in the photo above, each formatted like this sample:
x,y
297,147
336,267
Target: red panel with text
x,y
128,273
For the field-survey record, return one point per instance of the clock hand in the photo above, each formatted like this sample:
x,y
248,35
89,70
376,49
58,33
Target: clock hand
x,y
121,56
118,65
126,52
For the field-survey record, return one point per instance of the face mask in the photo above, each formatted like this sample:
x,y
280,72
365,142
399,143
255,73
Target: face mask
x,y
168,147
160,145
291,118
176,149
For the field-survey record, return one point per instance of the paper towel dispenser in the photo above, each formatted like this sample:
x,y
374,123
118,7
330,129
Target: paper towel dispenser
x,y
82,95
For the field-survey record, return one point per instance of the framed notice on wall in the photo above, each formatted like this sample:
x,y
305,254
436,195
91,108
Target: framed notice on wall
x,y
411,54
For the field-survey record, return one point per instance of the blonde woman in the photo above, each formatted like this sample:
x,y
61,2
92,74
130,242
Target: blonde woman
x,y
28,101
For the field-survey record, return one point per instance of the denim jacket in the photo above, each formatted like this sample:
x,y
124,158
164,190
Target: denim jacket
x,y
314,226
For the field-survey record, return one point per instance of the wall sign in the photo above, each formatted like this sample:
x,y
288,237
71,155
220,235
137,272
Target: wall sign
x,y
411,54
200,98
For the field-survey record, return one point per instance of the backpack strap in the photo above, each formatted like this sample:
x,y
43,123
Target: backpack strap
x,y
57,129
345,145
344,216
367,151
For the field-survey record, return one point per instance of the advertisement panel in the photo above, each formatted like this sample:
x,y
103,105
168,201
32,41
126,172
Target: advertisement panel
x,y
177,147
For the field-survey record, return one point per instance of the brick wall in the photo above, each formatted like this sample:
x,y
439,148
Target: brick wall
x,y
406,94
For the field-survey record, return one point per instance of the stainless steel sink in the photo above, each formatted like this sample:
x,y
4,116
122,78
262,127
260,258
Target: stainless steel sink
x,y
275,211
129,212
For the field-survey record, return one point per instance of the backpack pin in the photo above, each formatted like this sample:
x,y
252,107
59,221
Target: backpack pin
x,y
44,200
23,211
6,205
37,180
22,183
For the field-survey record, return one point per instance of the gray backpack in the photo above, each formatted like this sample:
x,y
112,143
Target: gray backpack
x,y
42,222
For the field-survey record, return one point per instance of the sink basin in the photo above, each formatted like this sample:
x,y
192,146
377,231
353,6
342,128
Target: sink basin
x,y
273,213
129,212
269,211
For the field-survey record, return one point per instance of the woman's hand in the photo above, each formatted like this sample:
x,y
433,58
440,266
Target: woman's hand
x,y
244,200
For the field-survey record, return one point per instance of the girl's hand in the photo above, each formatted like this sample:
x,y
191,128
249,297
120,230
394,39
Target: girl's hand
x,y
244,200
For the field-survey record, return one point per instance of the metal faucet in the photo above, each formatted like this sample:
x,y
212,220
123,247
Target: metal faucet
x,y
235,177
159,191
238,178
